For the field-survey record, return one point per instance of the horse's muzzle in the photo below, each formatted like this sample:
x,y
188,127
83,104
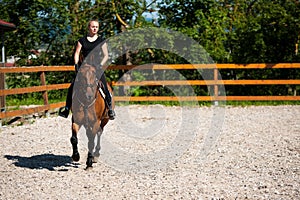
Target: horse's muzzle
x,y
90,93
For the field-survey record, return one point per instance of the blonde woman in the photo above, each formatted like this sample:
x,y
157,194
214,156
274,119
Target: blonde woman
x,y
84,47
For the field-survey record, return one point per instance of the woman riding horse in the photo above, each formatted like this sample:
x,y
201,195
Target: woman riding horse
x,y
86,45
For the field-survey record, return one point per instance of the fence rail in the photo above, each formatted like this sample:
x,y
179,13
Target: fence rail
x,y
215,83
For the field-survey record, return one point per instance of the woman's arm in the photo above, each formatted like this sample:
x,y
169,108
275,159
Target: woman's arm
x,y
77,53
105,54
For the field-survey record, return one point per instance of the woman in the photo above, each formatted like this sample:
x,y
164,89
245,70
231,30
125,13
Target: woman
x,y
85,45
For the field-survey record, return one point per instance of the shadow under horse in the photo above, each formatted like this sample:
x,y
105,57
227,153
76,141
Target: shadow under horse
x,y
89,109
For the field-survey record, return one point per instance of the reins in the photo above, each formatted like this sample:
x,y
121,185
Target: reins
x,y
83,105
97,85
93,102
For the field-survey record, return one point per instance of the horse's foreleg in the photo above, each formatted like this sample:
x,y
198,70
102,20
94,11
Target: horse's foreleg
x,y
74,142
91,145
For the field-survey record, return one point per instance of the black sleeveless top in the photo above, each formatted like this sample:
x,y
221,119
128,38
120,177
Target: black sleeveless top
x,y
88,46
91,47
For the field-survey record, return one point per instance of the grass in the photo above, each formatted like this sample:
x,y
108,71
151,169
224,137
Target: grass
x,y
16,103
261,103
208,103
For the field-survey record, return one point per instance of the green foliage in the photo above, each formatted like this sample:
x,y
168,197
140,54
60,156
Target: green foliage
x,y
211,31
20,81
238,31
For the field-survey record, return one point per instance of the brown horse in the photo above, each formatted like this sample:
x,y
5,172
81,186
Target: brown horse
x,y
89,110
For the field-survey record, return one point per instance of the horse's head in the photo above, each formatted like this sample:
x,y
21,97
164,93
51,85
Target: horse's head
x,y
87,82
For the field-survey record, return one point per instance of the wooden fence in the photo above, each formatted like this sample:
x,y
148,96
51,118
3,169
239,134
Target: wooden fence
x,y
214,82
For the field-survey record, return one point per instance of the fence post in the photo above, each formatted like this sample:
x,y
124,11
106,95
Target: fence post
x,y
216,88
2,86
2,98
45,93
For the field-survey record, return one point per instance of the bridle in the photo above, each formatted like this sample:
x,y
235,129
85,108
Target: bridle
x,y
90,85
90,104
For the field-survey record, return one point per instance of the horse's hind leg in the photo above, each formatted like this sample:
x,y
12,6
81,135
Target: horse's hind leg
x,y
98,147
74,142
97,150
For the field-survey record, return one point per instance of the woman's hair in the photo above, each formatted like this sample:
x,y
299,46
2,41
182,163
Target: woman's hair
x,y
92,20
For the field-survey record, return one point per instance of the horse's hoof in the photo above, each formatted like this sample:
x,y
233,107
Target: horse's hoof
x,y
89,162
95,159
88,168
76,157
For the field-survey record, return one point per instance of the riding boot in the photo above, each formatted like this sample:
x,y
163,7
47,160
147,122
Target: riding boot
x,y
108,99
64,111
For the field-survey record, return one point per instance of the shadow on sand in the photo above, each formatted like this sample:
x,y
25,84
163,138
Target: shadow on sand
x,y
44,161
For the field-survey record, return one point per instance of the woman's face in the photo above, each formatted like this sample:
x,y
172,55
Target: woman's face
x,y
93,27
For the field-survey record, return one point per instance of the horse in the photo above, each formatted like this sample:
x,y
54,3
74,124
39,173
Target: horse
x,y
89,109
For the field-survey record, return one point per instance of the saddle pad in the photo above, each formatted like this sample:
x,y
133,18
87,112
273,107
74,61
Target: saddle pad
x,y
102,92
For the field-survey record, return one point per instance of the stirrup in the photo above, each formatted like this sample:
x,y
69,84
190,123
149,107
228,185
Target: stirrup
x,y
64,112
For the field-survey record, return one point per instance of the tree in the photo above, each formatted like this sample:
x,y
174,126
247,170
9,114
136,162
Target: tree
x,y
238,31
267,32
55,25
204,21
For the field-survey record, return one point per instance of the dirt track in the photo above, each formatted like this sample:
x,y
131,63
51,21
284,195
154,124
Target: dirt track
x,y
153,152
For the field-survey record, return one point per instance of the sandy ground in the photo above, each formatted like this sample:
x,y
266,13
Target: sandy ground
x,y
158,152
